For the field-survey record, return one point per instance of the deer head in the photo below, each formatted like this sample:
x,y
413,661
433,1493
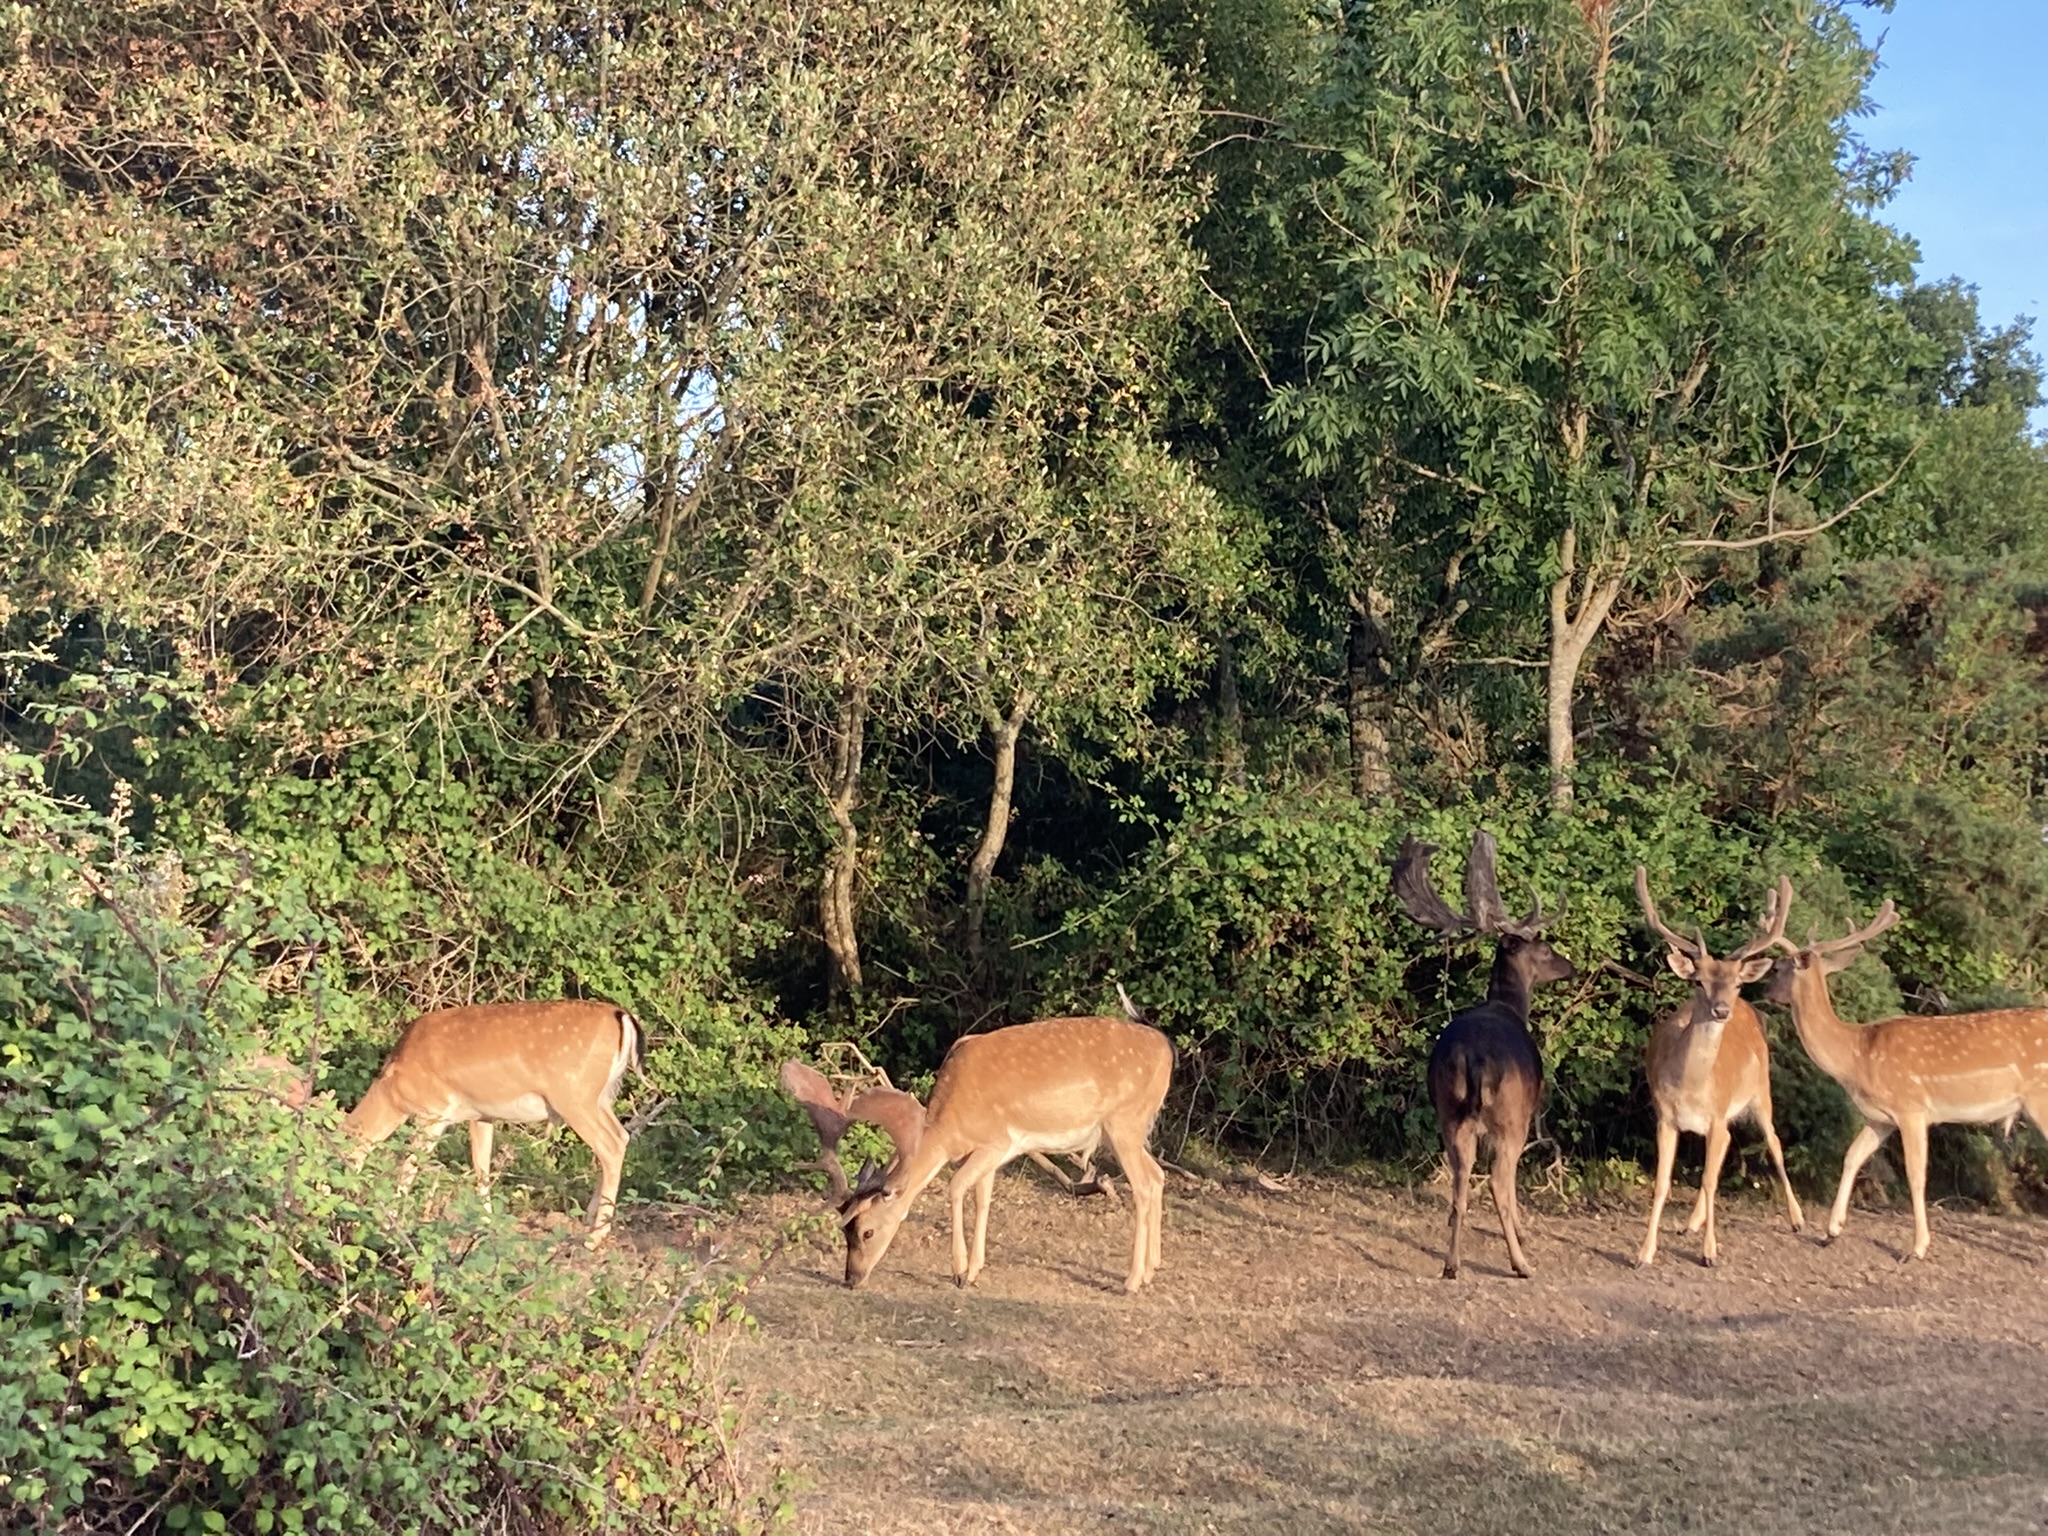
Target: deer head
x,y
874,1205
1521,942
1717,984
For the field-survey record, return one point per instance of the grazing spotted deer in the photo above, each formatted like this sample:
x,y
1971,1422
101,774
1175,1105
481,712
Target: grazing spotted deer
x,y
1909,1072
1485,1076
1709,1066
515,1062
1057,1085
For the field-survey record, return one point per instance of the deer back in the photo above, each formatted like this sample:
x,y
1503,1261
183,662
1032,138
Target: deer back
x,y
507,1061
1047,1080
1957,1062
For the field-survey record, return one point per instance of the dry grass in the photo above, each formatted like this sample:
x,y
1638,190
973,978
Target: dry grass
x,y
1299,1367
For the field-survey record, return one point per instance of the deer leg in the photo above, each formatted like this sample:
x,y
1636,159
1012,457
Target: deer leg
x,y
1507,1162
1461,1147
1867,1141
1763,1120
1710,1187
480,1133
983,1196
981,1163
606,1138
1913,1142
1148,1198
1667,1154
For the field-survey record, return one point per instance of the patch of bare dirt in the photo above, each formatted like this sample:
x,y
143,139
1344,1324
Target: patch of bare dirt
x,y
1298,1366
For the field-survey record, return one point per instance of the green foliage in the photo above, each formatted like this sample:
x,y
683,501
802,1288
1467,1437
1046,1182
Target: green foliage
x,y
211,1324
1263,933
563,501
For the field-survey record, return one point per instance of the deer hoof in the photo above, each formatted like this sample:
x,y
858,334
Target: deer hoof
x,y
1450,1271
1708,1261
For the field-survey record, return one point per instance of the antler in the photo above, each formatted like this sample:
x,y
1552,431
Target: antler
x,y
1887,915
1413,890
1482,885
831,1116
1771,932
1697,948
901,1118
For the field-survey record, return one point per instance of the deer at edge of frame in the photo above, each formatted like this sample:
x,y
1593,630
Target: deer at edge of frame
x,y
1911,1071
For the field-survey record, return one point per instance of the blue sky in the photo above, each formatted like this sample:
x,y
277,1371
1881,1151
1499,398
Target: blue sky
x,y
1961,85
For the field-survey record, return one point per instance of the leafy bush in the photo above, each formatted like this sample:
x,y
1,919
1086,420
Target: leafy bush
x,y
427,904
208,1322
1264,933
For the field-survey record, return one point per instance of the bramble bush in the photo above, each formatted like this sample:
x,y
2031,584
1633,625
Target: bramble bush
x,y
208,1322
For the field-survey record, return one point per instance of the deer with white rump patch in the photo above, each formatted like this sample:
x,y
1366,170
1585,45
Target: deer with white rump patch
x,y
1709,1066
1485,1075
1054,1086
513,1062
1910,1072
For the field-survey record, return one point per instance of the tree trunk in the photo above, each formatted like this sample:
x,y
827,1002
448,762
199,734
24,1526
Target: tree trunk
x,y
1229,714
1004,730
842,794
1365,684
1570,636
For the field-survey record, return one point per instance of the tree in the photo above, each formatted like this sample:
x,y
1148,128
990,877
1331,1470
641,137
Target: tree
x,y
1601,291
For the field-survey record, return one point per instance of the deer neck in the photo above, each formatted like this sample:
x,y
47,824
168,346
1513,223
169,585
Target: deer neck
x,y
1835,1048
1508,986
909,1175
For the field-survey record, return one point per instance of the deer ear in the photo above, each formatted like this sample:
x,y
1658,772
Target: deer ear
x,y
1681,963
1756,970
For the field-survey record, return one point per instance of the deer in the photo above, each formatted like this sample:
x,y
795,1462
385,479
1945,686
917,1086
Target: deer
x,y
1913,1071
1708,1066
1485,1075
1052,1086
520,1063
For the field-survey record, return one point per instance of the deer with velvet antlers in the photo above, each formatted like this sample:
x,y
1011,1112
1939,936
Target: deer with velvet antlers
x,y
1909,1072
515,1062
1485,1074
1709,1066
1057,1085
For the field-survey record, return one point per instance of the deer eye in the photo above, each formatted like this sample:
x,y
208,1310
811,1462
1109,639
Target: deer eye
x,y
867,1232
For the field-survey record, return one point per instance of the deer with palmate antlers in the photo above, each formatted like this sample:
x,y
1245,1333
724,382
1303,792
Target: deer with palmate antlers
x,y
1909,1072
1485,1074
514,1062
1709,1066
1057,1085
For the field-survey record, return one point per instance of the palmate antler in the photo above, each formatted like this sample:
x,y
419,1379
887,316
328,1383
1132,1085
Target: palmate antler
x,y
899,1115
1412,888
1886,916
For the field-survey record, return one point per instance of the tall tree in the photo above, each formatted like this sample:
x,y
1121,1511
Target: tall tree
x,y
1603,292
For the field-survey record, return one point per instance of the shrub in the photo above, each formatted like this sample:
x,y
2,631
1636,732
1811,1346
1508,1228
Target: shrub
x,y
207,1322
1263,932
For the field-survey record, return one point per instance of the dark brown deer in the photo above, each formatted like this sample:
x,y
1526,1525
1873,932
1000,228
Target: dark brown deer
x,y
1485,1076
1709,1066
